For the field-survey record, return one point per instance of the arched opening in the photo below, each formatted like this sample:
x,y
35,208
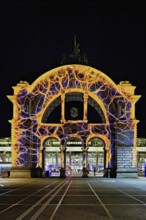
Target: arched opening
x,y
96,157
53,112
51,157
74,157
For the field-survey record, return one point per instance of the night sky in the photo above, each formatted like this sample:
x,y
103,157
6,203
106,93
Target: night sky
x,y
35,35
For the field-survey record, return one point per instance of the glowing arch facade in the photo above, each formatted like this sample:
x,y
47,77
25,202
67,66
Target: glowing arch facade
x,y
114,103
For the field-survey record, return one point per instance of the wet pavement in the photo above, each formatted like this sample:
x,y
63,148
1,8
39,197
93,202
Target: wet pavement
x,y
93,198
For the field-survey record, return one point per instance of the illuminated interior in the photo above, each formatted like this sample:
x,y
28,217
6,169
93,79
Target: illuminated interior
x,y
95,157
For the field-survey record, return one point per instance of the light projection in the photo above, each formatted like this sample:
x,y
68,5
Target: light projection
x,y
114,103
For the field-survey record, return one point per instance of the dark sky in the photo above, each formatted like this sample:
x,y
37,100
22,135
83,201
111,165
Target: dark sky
x,y
34,35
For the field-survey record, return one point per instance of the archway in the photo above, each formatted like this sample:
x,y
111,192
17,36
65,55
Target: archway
x,y
48,108
96,158
74,157
51,158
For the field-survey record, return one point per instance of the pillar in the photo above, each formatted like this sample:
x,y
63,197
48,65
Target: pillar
x,y
97,161
85,169
63,161
70,162
56,160
126,159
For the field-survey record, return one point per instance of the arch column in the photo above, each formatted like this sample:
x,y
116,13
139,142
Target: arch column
x,y
106,163
63,161
85,169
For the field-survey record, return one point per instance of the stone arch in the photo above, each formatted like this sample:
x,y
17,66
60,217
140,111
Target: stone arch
x,y
50,155
107,148
41,148
91,82
97,155
74,156
31,101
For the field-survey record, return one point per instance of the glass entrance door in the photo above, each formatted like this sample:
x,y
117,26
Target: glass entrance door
x,y
74,163
51,157
96,157
74,157
53,163
96,161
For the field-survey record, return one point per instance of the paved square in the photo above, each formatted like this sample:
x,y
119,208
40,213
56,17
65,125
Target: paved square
x,y
73,199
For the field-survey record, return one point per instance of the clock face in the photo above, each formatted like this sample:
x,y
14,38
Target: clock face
x,y
74,112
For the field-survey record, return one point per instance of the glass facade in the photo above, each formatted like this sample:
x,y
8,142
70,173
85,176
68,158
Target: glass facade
x,y
74,161
74,156
52,163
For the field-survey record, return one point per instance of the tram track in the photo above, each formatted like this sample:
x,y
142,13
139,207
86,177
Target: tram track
x,y
51,193
17,203
62,195
34,217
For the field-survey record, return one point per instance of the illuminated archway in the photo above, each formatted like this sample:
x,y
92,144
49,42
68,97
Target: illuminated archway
x,y
116,104
74,157
97,155
51,158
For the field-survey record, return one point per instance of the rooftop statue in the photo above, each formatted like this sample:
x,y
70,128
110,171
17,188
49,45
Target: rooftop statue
x,y
76,57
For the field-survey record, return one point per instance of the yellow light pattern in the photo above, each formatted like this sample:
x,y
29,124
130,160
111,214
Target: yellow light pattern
x,y
30,102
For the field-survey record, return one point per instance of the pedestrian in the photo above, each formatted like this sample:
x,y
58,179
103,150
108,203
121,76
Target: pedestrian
x,y
47,173
94,171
